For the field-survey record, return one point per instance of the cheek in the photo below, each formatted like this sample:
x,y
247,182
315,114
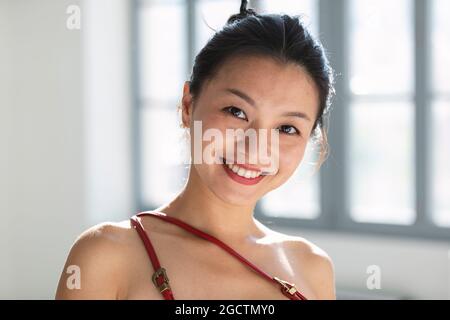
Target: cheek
x,y
208,144
206,113
211,121
204,122
291,157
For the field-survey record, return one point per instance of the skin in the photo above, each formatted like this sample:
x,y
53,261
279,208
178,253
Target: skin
x,y
111,256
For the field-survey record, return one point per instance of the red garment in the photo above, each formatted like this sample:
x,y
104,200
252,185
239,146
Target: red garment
x,y
160,278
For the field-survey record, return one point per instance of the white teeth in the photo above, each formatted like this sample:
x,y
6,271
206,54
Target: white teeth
x,y
243,172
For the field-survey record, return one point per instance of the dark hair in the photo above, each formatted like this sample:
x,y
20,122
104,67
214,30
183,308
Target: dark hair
x,y
278,36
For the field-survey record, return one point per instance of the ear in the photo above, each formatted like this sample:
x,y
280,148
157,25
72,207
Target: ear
x,y
186,105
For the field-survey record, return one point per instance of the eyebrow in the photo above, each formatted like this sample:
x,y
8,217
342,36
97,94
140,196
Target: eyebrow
x,y
252,102
297,114
242,95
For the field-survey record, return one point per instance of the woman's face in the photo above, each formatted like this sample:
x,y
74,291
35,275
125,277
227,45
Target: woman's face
x,y
253,93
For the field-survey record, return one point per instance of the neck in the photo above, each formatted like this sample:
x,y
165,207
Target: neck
x,y
198,206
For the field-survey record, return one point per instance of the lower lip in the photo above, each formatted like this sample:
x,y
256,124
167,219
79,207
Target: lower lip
x,y
242,180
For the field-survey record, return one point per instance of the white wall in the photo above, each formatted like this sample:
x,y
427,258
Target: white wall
x,y
43,186
5,140
47,122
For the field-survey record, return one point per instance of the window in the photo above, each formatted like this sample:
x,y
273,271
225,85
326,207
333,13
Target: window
x,y
211,16
307,9
381,111
388,168
161,82
440,106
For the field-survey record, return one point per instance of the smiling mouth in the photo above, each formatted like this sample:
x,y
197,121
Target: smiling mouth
x,y
243,175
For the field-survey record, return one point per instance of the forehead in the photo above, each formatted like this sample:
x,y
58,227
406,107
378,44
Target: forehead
x,y
267,81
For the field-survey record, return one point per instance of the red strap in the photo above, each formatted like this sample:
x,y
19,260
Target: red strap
x,y
159,277
288,289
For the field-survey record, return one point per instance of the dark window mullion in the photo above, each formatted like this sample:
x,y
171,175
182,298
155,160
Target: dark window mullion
x,y
136,136
422,107
333,174
191,33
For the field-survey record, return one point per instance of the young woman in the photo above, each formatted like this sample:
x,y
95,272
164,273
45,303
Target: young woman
x,y
258,72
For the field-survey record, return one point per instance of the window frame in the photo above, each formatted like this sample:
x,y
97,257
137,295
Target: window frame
x,y
334,178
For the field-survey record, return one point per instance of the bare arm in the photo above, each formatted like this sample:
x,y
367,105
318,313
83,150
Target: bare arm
x,y
322,277
317,268
93,267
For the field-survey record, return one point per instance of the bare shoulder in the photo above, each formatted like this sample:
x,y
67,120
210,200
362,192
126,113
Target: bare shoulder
x,y
313,263
96,263
317,267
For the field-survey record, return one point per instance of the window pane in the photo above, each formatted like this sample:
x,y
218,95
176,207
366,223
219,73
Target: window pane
x,y
212,14
163,155
381,163
299,196
441,162
381,47
441,45
307,9
162,50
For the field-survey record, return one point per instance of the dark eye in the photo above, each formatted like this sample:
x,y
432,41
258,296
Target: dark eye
x,y
236,112
289,130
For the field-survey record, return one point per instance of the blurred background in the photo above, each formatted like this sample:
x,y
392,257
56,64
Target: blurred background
x,y
89,133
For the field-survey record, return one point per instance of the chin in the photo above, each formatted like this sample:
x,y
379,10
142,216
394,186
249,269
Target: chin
x,y
234,196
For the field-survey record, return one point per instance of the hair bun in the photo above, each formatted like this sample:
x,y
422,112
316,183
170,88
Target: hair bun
x,y
243,13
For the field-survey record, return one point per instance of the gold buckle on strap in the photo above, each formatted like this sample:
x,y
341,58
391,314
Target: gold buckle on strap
x,y
165,285
289,287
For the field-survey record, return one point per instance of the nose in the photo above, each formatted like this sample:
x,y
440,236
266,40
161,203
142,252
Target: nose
x,y
259,146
